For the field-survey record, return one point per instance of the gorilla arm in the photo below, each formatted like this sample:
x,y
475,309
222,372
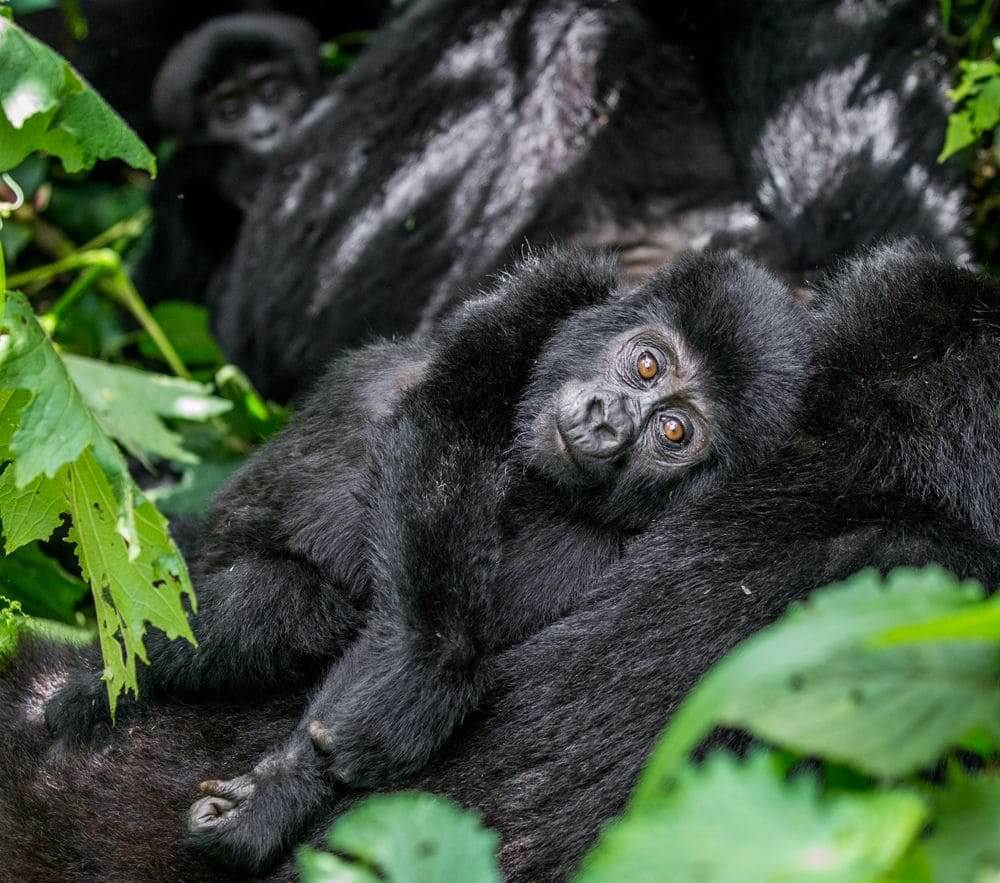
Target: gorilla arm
x,y
279,568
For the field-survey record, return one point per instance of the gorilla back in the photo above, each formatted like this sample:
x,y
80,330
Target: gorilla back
x,y
586,121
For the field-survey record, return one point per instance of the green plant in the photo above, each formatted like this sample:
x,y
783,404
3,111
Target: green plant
x,y
69,419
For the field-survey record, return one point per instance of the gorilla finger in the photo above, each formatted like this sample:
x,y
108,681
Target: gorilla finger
x,y
240,788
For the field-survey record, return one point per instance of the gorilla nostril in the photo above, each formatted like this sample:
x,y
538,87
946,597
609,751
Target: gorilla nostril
x,y
595,411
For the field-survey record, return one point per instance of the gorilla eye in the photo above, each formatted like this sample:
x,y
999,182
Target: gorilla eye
x,y
647,366
673,430
271,90
229,109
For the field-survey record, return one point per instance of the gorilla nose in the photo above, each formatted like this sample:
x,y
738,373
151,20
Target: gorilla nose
x,y
595,422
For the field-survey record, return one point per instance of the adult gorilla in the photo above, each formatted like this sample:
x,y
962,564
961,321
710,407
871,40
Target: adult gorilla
x,y
898,464
793,132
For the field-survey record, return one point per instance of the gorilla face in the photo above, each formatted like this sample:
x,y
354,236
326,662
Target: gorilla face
x,y
695,374
255,107
619,413
641,409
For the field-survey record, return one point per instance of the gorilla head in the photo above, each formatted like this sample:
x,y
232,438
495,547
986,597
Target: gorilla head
x,y
693,375
240,80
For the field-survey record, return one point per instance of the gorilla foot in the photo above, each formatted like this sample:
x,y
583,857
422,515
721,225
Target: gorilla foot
x,y
250,821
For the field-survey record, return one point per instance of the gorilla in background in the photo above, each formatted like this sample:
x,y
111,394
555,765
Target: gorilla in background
x,y
896,465
127,40
232,92
789,132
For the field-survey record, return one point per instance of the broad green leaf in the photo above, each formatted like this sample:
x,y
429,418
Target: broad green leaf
x,y
732,821
964,845
986,106
187,327
128,594
406,838
322,867
45,105
55,425
11,403
980,622
973,72
31,512
815,683
129,404
42,587
960,135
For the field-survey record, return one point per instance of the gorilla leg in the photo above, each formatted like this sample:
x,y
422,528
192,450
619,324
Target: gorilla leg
x,y
298,620
380,715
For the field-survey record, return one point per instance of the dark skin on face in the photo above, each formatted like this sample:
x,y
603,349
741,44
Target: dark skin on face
x,y
255,107
641,412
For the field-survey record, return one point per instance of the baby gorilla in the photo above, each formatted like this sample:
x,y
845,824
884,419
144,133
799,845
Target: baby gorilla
x,y
233,93
552,421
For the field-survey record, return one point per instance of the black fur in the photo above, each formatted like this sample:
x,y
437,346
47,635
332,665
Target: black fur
x,y
479,540
466,129
896,464
204,189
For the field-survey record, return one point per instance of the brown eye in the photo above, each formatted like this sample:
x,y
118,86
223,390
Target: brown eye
x,y
673,430
647,366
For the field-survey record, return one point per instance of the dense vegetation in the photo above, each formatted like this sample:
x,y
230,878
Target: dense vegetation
x,y
879,700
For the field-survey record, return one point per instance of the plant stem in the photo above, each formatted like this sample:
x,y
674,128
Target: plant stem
x,y
126,292
101,257
76,290
118,284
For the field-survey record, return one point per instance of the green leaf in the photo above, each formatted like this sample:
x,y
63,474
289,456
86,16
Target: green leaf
x,y
92,326
85,209
964,846
54,424
45,105
42,587
23,7
187,327
11,403
129,404
14,236
193,494
981,622
406,838
321,867
31,512
814,682
11,622
960,135
127,593
986,106
732,821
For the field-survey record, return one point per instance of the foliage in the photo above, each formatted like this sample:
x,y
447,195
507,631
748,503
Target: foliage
x,y
75,429
977,102
405,838
862,690
47,106
973,133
